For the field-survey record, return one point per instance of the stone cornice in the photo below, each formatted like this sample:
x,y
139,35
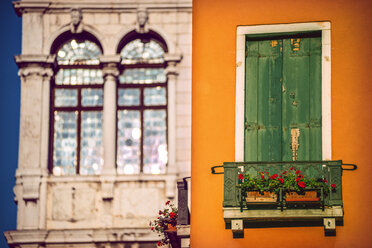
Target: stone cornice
x,y
99,6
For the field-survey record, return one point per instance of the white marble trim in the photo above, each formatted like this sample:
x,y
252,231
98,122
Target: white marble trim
x,y
325,27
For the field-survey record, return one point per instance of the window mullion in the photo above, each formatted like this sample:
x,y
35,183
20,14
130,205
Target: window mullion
x,y
78,133
142,128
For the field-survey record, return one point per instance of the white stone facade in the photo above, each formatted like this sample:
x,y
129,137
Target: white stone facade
x,y
107,210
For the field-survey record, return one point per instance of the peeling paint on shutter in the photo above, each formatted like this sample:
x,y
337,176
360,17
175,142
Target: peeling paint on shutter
x,y
283,93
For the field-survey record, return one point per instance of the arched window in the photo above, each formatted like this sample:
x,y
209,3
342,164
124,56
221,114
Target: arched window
x,y
142,109
77,99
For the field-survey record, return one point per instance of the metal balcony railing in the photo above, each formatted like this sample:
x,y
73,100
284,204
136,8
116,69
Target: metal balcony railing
x,y
238,215
330,170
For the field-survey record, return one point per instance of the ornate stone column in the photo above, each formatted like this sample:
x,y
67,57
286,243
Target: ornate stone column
x,y
172,74
36,72
110,71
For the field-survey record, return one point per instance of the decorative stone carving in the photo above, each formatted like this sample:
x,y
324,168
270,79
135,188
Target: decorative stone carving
x,y
76,26
142,19
110,64
36,65
172,61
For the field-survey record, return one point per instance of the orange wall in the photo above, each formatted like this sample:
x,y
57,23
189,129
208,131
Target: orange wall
x,y
213,115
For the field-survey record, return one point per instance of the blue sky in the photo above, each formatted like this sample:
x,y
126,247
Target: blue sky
x,y
10,45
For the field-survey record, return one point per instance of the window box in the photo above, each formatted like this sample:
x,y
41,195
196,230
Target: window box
x,y
285,212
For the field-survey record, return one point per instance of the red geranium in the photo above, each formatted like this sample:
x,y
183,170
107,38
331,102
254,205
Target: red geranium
x,y
298,179
325,180
292,168
300,176
298,172
171,215
301,184
262,176
333,186
274,176
284,172
241,176
281,180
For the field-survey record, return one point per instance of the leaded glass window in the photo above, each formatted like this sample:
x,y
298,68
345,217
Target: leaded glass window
x,y
142,109
77,106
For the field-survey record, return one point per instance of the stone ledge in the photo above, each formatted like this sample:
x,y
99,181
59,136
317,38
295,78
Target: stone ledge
x,y
183,231
288,214
100,6
70,237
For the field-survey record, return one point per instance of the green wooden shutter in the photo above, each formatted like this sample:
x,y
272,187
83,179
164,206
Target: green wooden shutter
x,y
283,100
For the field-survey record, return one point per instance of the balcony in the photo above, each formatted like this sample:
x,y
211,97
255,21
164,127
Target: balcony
x,y
238,214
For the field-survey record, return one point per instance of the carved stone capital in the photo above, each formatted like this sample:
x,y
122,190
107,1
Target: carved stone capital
x,y
110,65
36,65
172,60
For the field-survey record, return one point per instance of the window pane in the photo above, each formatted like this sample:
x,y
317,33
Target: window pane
x,y
137,51
65,98
65,143
155,96
92,97
128,142
78,53
91,155
79,76
143,76
129,97
155,142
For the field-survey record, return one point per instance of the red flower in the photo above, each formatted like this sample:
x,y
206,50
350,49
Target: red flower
x,y
152,228
284,172
262,176
292,168
325,180
274,176
159,243
160,212
267,172
167,202
333,186
281,180
241,176
301,184
171,215
298,172
300,176
298,179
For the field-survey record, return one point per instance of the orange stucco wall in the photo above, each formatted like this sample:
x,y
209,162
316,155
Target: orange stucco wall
x,y
213,115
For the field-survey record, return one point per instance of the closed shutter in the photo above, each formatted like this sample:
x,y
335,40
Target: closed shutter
x,y
283,99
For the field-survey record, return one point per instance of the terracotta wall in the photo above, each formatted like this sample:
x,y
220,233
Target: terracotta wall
x,y
213,115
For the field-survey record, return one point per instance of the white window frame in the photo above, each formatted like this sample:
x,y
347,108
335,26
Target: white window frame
x,y
242,31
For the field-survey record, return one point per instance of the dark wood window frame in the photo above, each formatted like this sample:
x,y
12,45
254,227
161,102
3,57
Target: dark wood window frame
x,y
142,107
78,108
